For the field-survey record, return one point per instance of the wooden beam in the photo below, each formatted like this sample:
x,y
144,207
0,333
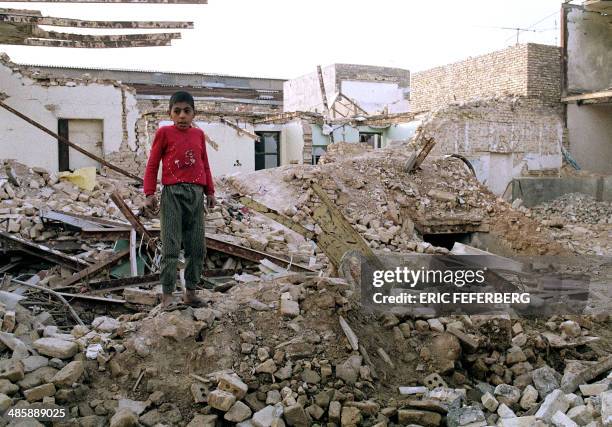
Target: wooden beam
x,y
71,144
588,96
323,93
93,269
278,217
6,15
240,130
44,252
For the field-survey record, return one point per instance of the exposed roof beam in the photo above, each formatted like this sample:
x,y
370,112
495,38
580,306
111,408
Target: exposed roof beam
x,y
35,18
42,34
589,96
113,1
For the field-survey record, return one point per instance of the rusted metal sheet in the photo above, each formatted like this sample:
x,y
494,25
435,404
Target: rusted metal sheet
x,y
41,251
338,236
93,269
276,216
71,144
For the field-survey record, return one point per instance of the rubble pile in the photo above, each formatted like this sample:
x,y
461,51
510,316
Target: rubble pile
x,y
579,222
385,203
574,208
297,351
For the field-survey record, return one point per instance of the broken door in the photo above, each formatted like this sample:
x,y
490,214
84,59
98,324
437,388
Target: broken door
x,y
88,134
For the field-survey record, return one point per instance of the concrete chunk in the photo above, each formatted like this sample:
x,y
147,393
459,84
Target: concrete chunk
x,y
554,402
562,420
234,385
221,400
56,347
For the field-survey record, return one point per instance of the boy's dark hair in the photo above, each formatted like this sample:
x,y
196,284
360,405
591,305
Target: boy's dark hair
x,y
181,96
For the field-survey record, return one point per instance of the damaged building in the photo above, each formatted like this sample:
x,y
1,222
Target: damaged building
x,y
325,184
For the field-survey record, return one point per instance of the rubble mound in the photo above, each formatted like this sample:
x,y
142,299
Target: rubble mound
x,y
575,208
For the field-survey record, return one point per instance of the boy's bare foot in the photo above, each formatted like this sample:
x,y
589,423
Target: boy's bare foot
x,y
166,300
190,298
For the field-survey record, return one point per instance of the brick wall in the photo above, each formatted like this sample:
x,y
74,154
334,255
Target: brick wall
x,y
529,70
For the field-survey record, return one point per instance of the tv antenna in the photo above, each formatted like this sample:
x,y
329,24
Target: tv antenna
x,y
517,29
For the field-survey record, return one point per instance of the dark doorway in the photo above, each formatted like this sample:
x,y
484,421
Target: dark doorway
x,y
62,148
267,150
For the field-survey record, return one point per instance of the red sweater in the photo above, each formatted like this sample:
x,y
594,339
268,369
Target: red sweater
x,y
183,156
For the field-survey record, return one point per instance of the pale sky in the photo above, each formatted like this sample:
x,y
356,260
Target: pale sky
x,y
289,38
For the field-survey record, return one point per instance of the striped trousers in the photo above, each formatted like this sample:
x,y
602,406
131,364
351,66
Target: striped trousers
x,y
182,222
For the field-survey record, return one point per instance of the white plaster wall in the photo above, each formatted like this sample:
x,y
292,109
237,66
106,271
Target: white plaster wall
x,y
292,142
375,96
21,141
304,93
589,58
590,136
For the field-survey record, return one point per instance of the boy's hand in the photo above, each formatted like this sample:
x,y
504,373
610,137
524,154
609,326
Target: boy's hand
x,y
150,206
210,201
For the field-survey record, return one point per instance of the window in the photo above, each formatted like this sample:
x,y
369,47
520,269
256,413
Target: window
x,y
374,140
267,150
317,152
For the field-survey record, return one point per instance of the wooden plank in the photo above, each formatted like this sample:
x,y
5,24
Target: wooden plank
x,y
92,298
338,234
588,96
276,216
323,93
44,252
239,129
93,269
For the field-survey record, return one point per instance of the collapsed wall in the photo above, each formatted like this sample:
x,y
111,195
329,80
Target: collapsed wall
x,y
100,116
501,110
503,138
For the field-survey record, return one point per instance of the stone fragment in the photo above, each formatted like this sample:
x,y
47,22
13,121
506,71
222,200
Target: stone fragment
x,y
468,415
518,422
267,367
295,415
56,347
348,371
11,369
200,420
315,411
311,377
105,324
593,389
562,420
570,329
606,408
124,418
289,308
221,400
268,416
5,402
37,393
414,416
69,374
545,380
334,411
233,384
504,412
350,417
7,387
9,322
529,398
137,407
507,394
32,363
238,412
489,402
554,402
435,325
140,296
581,415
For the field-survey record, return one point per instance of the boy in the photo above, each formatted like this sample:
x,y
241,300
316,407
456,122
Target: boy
x,y
186,180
